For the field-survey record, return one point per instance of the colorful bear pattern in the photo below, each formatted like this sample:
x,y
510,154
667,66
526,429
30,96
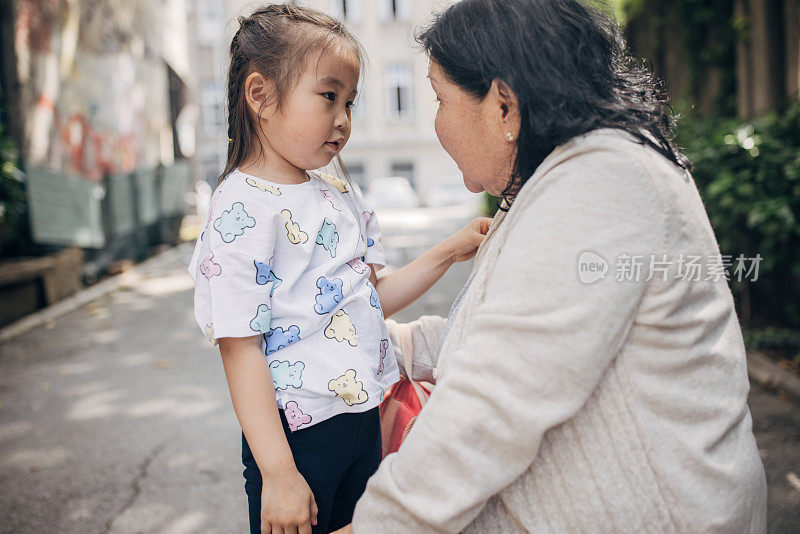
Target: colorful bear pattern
x,y
290,264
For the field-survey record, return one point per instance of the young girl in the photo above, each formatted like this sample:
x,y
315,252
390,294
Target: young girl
x,y
285,275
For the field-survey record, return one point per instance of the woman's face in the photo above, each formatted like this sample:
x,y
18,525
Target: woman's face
x,y
473,132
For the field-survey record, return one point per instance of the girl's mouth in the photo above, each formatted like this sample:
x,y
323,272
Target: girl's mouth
x,y
335,145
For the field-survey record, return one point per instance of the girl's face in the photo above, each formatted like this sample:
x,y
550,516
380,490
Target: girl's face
x,y
473,132
313,124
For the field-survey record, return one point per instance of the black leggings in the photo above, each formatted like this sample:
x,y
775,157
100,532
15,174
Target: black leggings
x,y
336,457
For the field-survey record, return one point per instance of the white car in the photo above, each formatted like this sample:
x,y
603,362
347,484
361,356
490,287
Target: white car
x,y
391,192
452,194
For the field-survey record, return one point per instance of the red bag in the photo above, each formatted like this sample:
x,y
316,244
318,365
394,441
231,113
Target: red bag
x,y
401,404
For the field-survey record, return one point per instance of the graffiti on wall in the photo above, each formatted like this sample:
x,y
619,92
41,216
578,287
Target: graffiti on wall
x,y
94,94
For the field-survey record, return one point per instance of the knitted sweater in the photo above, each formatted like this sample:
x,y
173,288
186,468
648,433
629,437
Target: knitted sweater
x,y
566,405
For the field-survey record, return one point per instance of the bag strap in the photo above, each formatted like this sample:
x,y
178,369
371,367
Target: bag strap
x,y
407,348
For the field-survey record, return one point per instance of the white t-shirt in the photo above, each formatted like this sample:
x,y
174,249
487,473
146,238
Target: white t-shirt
x,y
290,262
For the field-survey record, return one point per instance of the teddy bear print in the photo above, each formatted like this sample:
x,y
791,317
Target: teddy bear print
x,y
263,186
332,199
265,275
373,297
209,268
367,216
341,328
285,374
330,294
328,237
335,181
358,265
233,222
260,323
293,231
210,332
348,388
278,338
384,347
294,416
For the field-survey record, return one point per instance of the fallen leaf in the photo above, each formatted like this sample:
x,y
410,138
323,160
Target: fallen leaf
x,y
793,480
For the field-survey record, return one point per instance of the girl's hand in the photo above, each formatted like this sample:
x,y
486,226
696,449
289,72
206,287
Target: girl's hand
x,y
287,503
464,243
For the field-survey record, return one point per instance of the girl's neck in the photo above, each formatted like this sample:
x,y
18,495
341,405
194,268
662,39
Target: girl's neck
x,y
274,169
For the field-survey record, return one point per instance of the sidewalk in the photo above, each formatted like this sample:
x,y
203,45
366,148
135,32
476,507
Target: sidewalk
x,y
116,418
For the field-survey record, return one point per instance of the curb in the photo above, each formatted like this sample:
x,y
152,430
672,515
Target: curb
x,y
768,374
84,296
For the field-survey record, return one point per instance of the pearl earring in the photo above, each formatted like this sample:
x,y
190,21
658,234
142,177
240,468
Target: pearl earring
x,y
509,136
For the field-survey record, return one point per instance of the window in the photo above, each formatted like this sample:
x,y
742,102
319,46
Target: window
x,y
359,106
391,10
399,97
212,168
211,109
356,172
405,169
348,10
210,22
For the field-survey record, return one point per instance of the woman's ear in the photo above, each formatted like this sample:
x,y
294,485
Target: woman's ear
x,y
507,109
257,92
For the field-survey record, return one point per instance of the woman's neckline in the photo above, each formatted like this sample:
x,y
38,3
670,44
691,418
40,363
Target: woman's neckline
x,y
277,184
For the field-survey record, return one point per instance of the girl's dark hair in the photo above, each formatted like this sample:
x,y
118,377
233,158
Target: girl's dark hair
x,y
274,41
566,62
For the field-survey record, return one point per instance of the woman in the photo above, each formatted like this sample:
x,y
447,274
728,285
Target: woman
x,y
573,393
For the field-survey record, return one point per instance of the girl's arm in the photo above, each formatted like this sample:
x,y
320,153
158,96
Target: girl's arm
x,y
286,499
402,287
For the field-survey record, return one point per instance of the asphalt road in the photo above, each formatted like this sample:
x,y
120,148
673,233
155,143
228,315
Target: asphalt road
x,y
116,417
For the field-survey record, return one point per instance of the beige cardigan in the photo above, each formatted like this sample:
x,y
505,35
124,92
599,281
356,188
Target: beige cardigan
x,y
562,406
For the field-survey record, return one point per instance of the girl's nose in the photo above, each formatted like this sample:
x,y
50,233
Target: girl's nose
x,y
342,120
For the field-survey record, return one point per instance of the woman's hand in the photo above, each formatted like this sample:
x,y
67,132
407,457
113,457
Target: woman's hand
x,y
287,503
464,243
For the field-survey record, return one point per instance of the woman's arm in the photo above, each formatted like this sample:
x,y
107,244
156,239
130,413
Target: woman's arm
x,y
536,348
423,338
287,500
402,287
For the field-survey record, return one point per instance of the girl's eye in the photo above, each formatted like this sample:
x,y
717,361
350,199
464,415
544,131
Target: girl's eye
x,y
330,95
350,104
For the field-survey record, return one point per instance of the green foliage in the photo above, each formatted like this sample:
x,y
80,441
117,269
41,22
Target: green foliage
x,y
780,340
490,204
13,203
748,174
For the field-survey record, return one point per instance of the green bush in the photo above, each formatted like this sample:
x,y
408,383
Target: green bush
x,y
748,174
13,203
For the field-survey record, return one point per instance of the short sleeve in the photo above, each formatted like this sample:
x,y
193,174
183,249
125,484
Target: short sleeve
x,y
375,253
234,275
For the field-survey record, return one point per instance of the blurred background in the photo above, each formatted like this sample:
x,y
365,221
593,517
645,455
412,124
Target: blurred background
x,y
114,412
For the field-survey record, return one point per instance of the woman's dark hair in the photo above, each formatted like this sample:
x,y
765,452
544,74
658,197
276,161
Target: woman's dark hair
x,y
566,62
274,41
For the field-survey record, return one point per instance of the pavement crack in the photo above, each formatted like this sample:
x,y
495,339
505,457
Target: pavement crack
x,y
136,484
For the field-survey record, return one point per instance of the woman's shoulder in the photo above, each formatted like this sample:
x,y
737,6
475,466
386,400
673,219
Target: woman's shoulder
x,y
613,146
608,161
